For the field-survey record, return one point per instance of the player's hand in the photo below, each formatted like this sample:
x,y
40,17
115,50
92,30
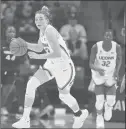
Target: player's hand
x,y
101,72
33,55
116,75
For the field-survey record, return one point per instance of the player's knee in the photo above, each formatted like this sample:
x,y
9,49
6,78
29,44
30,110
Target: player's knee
x,y
110,100
63,96
99,102
66,90
32,85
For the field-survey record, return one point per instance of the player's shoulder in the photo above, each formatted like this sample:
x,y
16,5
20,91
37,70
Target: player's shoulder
x,y
94,47
118,47
99,42
50,30
50,27
115,43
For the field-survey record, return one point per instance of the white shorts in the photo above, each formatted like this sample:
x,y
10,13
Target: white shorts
x,y
64,73
108,80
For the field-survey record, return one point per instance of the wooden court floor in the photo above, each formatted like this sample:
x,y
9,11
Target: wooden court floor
x,y
65,121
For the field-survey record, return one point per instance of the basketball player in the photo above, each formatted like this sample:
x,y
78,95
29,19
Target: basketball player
x,y
122,84
105,62
58,65
8,70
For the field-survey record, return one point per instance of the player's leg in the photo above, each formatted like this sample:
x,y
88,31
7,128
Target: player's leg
x,y
39,78
65,80
46,108
110,100
99,91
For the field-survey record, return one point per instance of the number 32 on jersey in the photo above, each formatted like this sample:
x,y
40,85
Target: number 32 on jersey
x,y
106,63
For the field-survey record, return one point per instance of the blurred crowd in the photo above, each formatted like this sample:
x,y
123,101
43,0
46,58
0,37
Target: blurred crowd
x,y
17,20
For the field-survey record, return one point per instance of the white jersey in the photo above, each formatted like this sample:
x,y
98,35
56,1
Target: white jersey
x,y
62,68
65,56
106,59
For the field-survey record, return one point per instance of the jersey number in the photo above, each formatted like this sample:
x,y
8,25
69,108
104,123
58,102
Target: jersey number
x,y
106,63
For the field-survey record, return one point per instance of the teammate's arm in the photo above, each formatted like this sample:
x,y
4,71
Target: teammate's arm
x,y
51,35
92,60
122,84
118,60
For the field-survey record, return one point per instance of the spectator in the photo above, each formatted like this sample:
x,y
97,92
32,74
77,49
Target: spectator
x,y
25,22
73,24
8,18
8,67
12,5
77,48
73,10
75,35
3,7
8,58
123,31
123,45
37,5
59,16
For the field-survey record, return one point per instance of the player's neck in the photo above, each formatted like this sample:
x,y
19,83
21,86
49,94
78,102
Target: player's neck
x,y
42,31
107,42
107,45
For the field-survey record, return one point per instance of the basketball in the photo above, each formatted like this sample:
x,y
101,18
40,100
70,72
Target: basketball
x,y
18,47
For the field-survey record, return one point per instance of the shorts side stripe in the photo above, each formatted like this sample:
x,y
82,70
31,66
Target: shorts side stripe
x,y
47,71
71,78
